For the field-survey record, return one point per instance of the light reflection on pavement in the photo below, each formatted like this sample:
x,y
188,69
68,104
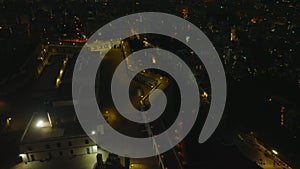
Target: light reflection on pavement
x,y
257,152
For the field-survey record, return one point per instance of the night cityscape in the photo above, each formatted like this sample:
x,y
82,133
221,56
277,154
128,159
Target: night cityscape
x,y
257,42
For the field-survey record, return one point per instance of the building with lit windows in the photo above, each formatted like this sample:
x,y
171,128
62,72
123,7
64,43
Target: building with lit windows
x,y
48,136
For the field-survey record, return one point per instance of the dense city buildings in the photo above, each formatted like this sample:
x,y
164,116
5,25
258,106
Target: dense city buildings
x,y
258,44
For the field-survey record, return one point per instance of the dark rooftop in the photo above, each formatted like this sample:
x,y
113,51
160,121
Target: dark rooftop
x,y
63,125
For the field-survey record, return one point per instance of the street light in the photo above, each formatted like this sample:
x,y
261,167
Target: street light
x,y
153,60
40,124
205,95
275,152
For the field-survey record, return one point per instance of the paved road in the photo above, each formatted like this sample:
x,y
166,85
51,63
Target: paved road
x,y
117,121
256,151
171,158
